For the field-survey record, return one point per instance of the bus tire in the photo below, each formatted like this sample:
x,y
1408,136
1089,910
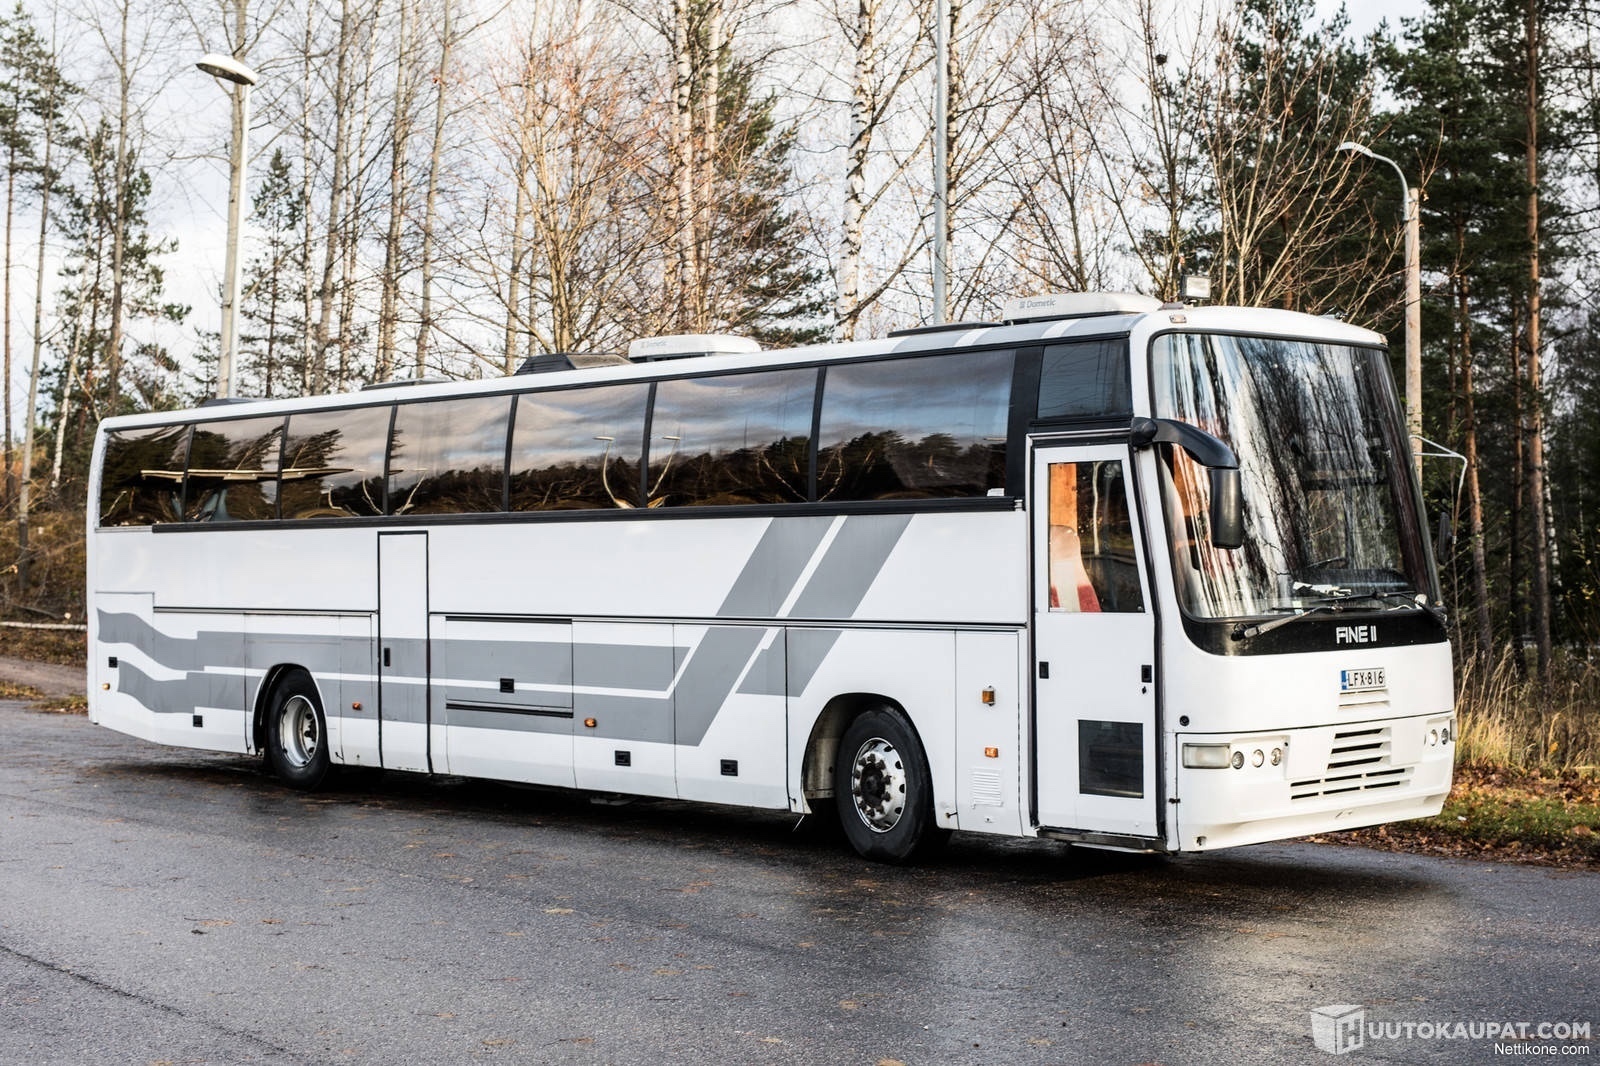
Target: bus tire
x,y
884,789
297,734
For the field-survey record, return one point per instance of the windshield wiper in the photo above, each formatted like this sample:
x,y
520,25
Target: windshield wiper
x,y
1245,630
1335,600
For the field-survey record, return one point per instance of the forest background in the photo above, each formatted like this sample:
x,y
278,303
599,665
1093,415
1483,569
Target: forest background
x,y
450,186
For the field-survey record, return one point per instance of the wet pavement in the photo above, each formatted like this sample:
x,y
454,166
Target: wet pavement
x,y
159,904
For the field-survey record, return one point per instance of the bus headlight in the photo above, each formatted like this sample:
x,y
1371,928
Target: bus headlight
x,y
1206,756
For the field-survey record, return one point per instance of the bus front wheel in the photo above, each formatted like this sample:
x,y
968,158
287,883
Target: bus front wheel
x,y
297,734
883,788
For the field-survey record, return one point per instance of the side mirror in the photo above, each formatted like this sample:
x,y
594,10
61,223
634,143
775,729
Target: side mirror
x,y
1227,502
1227,508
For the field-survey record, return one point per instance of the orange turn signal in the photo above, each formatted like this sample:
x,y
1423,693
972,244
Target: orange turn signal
x,y
991,753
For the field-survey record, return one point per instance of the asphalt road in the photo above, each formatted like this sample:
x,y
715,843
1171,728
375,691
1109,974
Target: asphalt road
x,y
162,905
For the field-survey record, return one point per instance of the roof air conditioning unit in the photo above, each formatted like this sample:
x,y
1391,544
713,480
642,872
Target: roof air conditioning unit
x,y
1077,305
687,345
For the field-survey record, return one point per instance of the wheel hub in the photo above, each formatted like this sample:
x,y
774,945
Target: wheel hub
x,y
297,732
878,785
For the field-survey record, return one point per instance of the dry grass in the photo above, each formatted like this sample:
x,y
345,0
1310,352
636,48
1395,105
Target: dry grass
x,y
62,647
55,591
1509,721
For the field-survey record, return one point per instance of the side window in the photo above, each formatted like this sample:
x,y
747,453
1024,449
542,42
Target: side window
x,y
739,439
333,463
1085,380
578,449
449,457
141,476
233,471
1093,560
914,428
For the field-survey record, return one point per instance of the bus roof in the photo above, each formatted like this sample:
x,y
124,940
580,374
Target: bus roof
x,y
1163,318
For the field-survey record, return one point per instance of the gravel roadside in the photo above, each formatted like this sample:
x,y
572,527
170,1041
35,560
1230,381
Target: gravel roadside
x,y
52,680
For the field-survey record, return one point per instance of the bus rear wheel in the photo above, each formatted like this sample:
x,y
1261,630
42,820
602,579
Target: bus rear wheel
x,y
297,734
884,789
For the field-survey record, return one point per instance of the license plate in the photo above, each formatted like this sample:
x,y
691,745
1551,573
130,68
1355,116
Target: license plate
x,y
1361,680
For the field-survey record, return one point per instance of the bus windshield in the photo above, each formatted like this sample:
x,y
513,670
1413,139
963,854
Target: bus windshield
x,y
1329,511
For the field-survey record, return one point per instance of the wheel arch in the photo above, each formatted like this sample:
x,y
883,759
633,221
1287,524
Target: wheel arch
x,y
822,747
262,704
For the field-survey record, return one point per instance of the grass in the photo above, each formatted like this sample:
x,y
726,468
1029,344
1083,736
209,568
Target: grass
x,y
1519,817
10,690
62,647
1510,722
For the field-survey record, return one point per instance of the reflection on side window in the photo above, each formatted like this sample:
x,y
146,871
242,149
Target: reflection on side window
x,y
578,449
1093,561
1085,380
915,428
141,479
333,463
449,456
233,471
739,439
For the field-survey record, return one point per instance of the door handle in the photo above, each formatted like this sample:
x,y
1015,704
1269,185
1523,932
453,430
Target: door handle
x,y
385,656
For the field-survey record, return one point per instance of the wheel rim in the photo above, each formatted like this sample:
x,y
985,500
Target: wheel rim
x,y
878,785
298,735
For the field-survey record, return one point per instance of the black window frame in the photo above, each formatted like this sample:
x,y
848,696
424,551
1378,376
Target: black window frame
x,y
1021,417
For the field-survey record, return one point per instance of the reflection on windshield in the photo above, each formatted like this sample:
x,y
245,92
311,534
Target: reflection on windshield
x,y
1328,505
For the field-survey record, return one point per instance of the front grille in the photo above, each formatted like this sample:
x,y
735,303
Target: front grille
x,y
1358,761
1374,701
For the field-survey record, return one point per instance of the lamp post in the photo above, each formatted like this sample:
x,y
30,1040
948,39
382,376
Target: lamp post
x,y
941,148
241,78
1411,200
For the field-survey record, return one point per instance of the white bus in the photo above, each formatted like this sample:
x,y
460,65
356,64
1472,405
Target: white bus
x,y
1112,572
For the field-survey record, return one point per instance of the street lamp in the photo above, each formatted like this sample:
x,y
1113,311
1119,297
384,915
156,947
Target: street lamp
x,y
241,78
941,146
1412,218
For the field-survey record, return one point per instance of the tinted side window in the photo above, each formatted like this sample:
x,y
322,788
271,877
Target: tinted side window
x,y
914,428
233,471
740,439
141,477
1085,379
449,457
578,448
333,463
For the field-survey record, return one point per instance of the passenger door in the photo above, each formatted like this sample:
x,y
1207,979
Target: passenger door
x,y
403,650
1095,753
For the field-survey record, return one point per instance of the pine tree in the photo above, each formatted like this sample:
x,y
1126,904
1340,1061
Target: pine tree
x,y
27,71
1456,129
270,347
740,261
148,378
767,282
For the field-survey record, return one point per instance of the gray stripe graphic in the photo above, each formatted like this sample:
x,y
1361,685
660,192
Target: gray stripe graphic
x,y
807,649
646,709
773,568
714,667
853,562
181,695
